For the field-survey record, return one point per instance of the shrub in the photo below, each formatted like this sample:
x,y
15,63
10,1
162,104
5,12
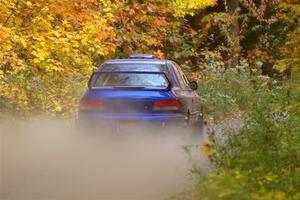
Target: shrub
x,y
262,160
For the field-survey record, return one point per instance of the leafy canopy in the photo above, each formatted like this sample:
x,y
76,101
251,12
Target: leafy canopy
x,y
46,44
188,7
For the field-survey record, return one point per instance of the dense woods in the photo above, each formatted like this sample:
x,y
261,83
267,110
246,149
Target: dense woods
x,y
244,53
48,48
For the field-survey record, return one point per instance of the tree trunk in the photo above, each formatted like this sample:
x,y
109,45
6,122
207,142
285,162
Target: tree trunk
x,y
234,30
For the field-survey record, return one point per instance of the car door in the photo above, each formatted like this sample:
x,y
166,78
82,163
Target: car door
x,y
192,98
185,92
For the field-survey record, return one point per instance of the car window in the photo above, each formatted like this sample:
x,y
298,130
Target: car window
x,y
130,79
186,80
178,76
135,67
183,81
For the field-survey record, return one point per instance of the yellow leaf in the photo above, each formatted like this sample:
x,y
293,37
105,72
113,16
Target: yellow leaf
x,y
205,148
28,3
57,108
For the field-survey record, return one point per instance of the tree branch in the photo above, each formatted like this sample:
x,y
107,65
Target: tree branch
x,y
12,12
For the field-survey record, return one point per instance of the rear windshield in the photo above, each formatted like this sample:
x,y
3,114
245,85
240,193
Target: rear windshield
x,y
135,67
130,79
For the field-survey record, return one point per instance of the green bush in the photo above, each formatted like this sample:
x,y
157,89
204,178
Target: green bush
x,y
262,160
236,91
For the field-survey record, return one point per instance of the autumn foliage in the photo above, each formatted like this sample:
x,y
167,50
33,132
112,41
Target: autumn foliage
x,y
48,49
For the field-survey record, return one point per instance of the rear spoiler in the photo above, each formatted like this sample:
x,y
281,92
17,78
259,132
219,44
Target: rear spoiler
x,y
92,78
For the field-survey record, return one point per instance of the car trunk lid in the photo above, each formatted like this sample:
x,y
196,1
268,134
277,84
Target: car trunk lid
x,y
126,101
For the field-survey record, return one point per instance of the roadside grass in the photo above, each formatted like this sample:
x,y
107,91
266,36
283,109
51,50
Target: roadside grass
x,y
262,160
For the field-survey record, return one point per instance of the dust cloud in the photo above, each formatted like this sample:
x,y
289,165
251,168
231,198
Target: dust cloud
x,y
46,159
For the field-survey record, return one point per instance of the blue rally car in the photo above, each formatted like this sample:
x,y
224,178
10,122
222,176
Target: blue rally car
x,y
142,90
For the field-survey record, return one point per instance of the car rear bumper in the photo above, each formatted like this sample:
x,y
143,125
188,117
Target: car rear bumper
x,y
153,119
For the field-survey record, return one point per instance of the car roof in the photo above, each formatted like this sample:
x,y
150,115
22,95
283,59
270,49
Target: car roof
x,y
150,61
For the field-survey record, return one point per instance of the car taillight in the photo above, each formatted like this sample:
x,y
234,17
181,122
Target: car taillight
x,y
91,104
166,105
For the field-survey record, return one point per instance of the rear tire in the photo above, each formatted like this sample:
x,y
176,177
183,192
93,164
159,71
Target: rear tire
x,y
197,130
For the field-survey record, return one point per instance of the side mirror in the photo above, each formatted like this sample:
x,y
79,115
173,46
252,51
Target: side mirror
x,y
194,85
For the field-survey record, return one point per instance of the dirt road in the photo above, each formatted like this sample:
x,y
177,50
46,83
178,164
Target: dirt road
x,y
47,159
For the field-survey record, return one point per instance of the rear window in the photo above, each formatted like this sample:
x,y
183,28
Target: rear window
x,y
135,67
129,79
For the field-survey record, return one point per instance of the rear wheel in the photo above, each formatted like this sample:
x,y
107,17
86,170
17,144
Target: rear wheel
x,y
197,130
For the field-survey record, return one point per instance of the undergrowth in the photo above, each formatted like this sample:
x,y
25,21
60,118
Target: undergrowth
x,y
262,160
